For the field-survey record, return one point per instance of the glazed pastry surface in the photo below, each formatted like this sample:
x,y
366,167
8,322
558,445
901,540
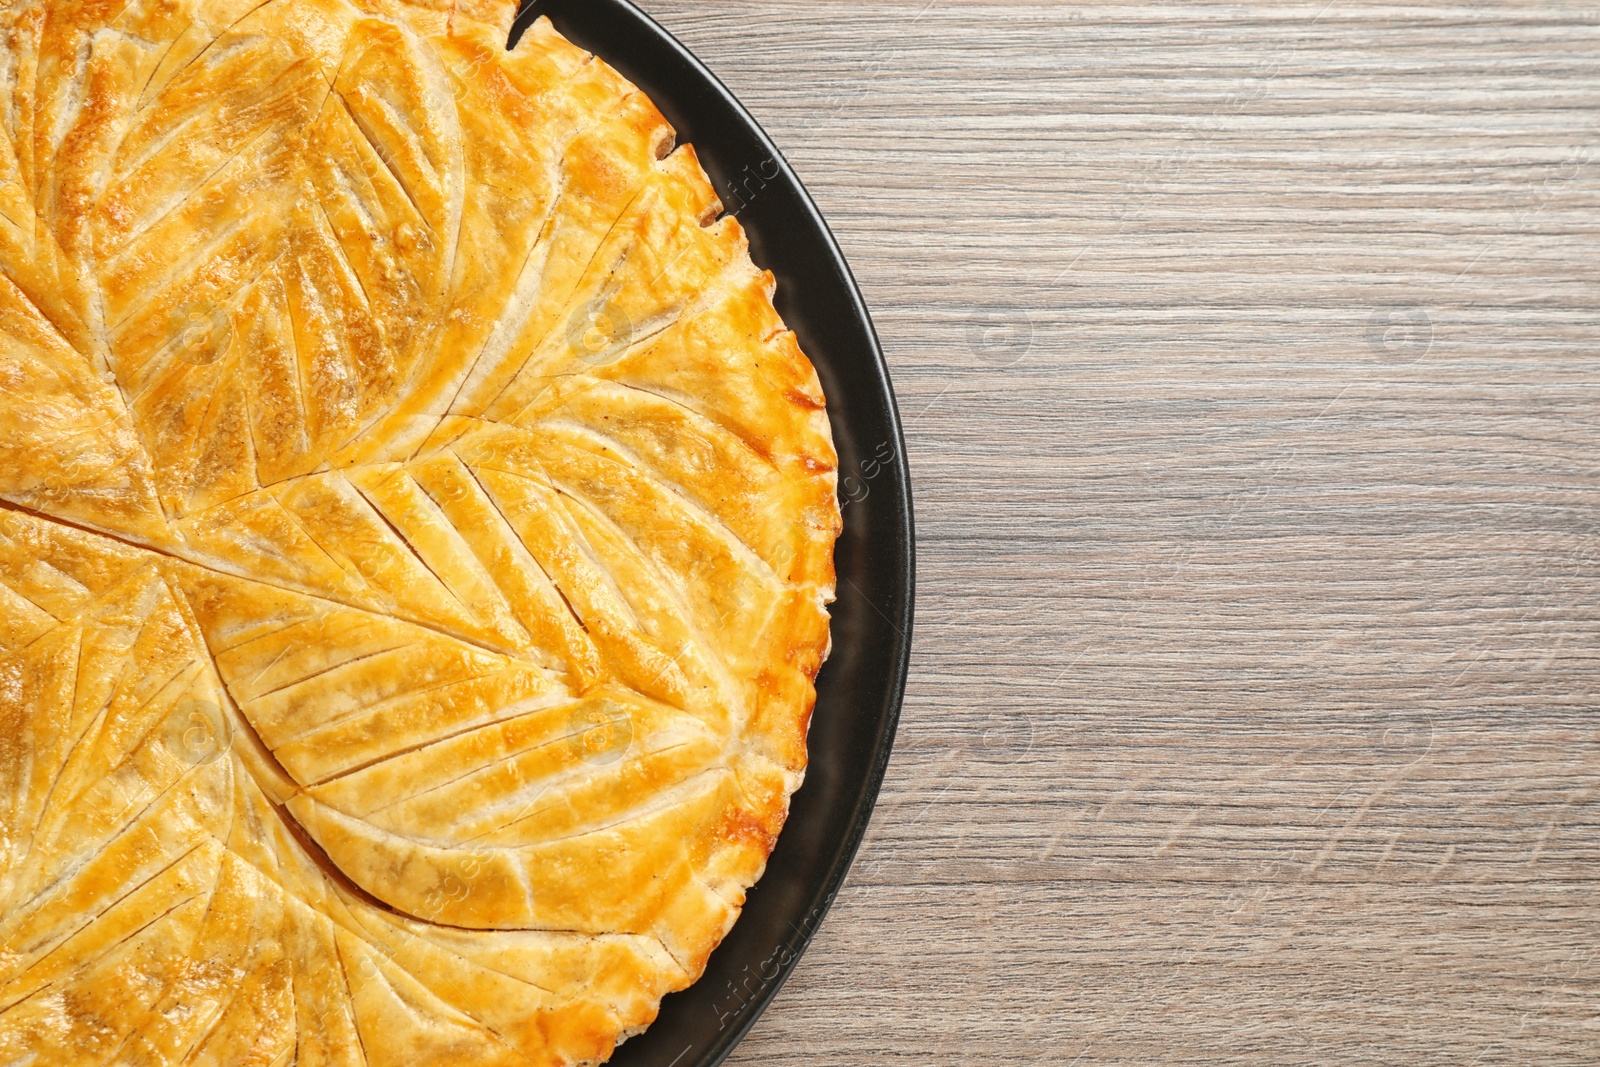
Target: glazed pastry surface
x,y
416,531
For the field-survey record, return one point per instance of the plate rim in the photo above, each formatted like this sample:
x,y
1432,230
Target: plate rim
x,y
902,616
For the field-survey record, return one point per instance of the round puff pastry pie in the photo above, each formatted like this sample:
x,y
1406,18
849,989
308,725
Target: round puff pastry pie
x,y
416,526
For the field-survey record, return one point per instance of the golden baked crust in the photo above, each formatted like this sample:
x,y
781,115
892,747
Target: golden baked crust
x,y
416,527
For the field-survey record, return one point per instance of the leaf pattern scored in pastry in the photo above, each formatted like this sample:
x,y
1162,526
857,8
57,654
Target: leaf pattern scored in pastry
x,y
416,533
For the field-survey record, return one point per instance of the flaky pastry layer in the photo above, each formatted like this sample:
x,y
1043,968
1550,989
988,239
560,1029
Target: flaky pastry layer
x,y
416,531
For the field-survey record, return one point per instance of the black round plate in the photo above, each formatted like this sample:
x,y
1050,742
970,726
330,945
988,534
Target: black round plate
x,y
861,686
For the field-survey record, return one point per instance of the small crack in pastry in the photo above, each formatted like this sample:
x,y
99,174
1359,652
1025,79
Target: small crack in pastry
x,y
416,536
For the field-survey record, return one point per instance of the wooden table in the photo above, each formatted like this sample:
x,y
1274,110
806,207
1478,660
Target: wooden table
x,y
1248,362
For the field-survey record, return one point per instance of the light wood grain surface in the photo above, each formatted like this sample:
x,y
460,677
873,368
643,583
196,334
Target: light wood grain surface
x,y
1248,356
